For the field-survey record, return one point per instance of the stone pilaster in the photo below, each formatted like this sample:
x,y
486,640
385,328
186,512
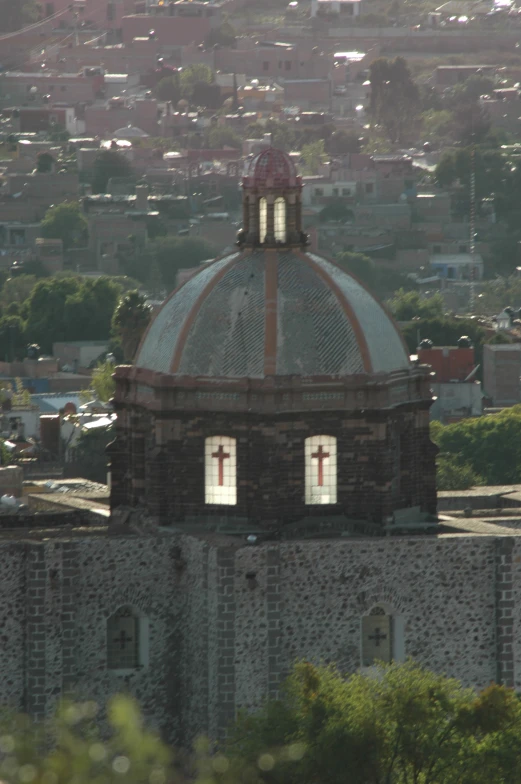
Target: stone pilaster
x,y
273,616
504,611
35,695
225,640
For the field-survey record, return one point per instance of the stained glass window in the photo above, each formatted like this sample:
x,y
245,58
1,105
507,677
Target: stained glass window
x,y
221,470
321,470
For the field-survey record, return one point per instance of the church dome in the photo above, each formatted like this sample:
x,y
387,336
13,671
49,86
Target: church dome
x,y
258,313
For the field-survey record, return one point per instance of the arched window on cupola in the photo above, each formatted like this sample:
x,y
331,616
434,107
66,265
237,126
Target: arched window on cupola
x,y
321,472
220,470
279,217
263,219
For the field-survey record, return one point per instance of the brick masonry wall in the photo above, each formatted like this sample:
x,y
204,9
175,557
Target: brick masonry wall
x,y
374,450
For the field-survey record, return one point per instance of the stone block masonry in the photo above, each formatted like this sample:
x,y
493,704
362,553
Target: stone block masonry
x,y
225,621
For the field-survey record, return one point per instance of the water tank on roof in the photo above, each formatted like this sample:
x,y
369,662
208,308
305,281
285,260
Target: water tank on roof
x,y
33,351
464,342
425,343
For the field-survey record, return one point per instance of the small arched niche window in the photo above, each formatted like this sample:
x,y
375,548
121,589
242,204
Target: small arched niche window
x,y
126,647
279,217
382,636
321,473
263,219
221,470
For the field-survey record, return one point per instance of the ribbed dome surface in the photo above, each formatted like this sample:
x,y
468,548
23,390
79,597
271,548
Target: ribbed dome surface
x,y
261,313
271,167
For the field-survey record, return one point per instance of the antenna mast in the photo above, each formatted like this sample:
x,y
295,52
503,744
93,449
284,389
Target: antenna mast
x,y
472,227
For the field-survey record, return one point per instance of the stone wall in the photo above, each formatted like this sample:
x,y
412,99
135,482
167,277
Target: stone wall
x,y
226,620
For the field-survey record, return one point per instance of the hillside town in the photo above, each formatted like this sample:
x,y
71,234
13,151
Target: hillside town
x,y
260,391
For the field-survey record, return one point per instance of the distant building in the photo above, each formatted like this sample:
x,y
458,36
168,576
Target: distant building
x,y
502,372
344,8
457,392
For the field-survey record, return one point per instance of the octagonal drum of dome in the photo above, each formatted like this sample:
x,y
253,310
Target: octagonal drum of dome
x,y
259,313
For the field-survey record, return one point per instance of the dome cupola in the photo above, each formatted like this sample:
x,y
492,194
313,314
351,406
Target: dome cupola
x,y
272,202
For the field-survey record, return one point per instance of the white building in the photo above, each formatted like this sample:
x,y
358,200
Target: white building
x,y
344,8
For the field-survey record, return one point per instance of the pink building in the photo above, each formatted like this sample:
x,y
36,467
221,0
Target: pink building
x,y
104,119
169,30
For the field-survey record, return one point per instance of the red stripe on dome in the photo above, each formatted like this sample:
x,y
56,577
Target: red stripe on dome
x,y
194,312
353,319
270,300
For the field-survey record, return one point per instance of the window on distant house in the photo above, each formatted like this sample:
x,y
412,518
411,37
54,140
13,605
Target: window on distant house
x,y
436,248
287,65
319,191
346,191
369,187
462,249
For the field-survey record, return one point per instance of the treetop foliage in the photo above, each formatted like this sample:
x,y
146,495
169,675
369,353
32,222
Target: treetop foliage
x,y
402,724
488,447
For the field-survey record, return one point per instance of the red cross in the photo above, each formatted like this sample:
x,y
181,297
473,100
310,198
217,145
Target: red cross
x,y
221,456
320,455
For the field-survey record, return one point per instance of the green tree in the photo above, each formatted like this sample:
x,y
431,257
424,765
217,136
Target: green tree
x,y
170,254
13,338
65,222
359,265
131,318
71,308
452,473
15,15
312,156
342,142
88,311
337,210
488,446
192,75
224,35
109,164
468,91
437,125
168,89
102,385
73,746
44,162
395,98
17,290
407,305
406,725
221,136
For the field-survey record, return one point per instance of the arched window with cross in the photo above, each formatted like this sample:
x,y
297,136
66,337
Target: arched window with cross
x,y
127,639
382,635
321,472
221,470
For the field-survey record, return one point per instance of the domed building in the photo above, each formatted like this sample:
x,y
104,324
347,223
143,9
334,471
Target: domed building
x,y
272,390
271,427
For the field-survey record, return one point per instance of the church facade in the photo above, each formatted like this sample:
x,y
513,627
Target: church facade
x,y
273,498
